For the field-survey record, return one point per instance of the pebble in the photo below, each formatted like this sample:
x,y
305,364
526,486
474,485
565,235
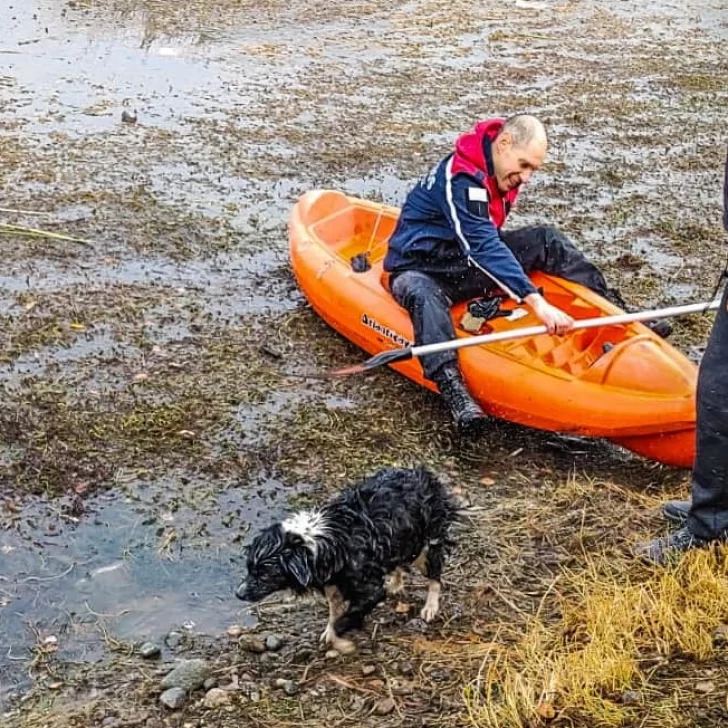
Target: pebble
x,y
720,636
149,650
234,630
406,668
331,654
303,654
416,625
273,642
367,670
174,639
188,675
384,707
110,722
291,688
632,697
252,644
216,697
356,704
173,698
210,683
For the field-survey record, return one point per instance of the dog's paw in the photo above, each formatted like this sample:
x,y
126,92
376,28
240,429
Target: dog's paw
x,y
342,646
429,612
328,635
394,583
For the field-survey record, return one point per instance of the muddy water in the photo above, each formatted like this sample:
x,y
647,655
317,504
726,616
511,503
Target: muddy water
x,y
238,110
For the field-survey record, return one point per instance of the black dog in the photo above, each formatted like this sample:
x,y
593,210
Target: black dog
x,y
346,549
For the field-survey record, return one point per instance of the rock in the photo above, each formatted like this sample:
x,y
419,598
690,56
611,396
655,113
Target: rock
x,y
331,654
210,683
367,670
174,639
173,698
128,118
416,625
632,697
216,697
406,669
720,636
291,688
303,654
273,642
252,644
149,650
110,722
356,704
546,711
234,630
188,675
384,707
705,686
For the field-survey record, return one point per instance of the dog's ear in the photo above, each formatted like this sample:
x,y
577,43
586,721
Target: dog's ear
x,y
299,567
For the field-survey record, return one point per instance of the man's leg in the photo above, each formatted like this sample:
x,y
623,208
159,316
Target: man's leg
x,y
708,515
428,301
545,248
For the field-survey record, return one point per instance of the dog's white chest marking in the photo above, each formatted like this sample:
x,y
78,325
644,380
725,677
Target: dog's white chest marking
x,y
309,525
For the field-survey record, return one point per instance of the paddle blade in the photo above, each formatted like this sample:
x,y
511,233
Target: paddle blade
x,y
380,360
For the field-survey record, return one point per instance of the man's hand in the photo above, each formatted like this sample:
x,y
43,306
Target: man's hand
x,y
553,318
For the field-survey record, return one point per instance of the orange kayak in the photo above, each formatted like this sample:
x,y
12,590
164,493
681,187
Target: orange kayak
x,y
619,382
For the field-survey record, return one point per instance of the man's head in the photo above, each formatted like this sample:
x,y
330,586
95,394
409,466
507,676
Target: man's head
x,y
518,150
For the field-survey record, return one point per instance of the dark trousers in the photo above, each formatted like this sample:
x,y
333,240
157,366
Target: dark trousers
x,y
429,296
709,513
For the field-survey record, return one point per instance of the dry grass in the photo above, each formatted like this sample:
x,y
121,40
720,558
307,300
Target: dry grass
x,y
616,623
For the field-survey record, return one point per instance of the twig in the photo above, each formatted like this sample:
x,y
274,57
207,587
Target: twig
x,y
24,212
112,616
33,232
43,578
340,681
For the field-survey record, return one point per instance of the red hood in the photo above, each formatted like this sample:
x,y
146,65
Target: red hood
x,y
470,158
469,147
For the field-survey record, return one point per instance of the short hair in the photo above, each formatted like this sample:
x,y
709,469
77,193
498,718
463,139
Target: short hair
x,y
523,128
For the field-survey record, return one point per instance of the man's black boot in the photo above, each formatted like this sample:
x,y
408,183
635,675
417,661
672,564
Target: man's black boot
x,y
662,327
677,511
466,412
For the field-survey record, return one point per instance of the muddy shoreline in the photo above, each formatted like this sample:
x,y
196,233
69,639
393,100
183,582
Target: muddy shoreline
x,y
159,378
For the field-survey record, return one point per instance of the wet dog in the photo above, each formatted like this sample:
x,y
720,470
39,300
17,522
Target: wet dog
x,y
373,530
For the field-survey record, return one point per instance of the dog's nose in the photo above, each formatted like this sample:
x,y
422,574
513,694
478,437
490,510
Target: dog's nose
x,y
241,592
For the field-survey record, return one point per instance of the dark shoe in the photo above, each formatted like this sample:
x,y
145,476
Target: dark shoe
x,y
677,511
661,327
466,412
660,551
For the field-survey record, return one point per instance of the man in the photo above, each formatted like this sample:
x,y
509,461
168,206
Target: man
x,y
705,519
448,246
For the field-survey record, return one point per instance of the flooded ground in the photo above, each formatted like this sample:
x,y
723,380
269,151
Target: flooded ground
x,y
161,397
